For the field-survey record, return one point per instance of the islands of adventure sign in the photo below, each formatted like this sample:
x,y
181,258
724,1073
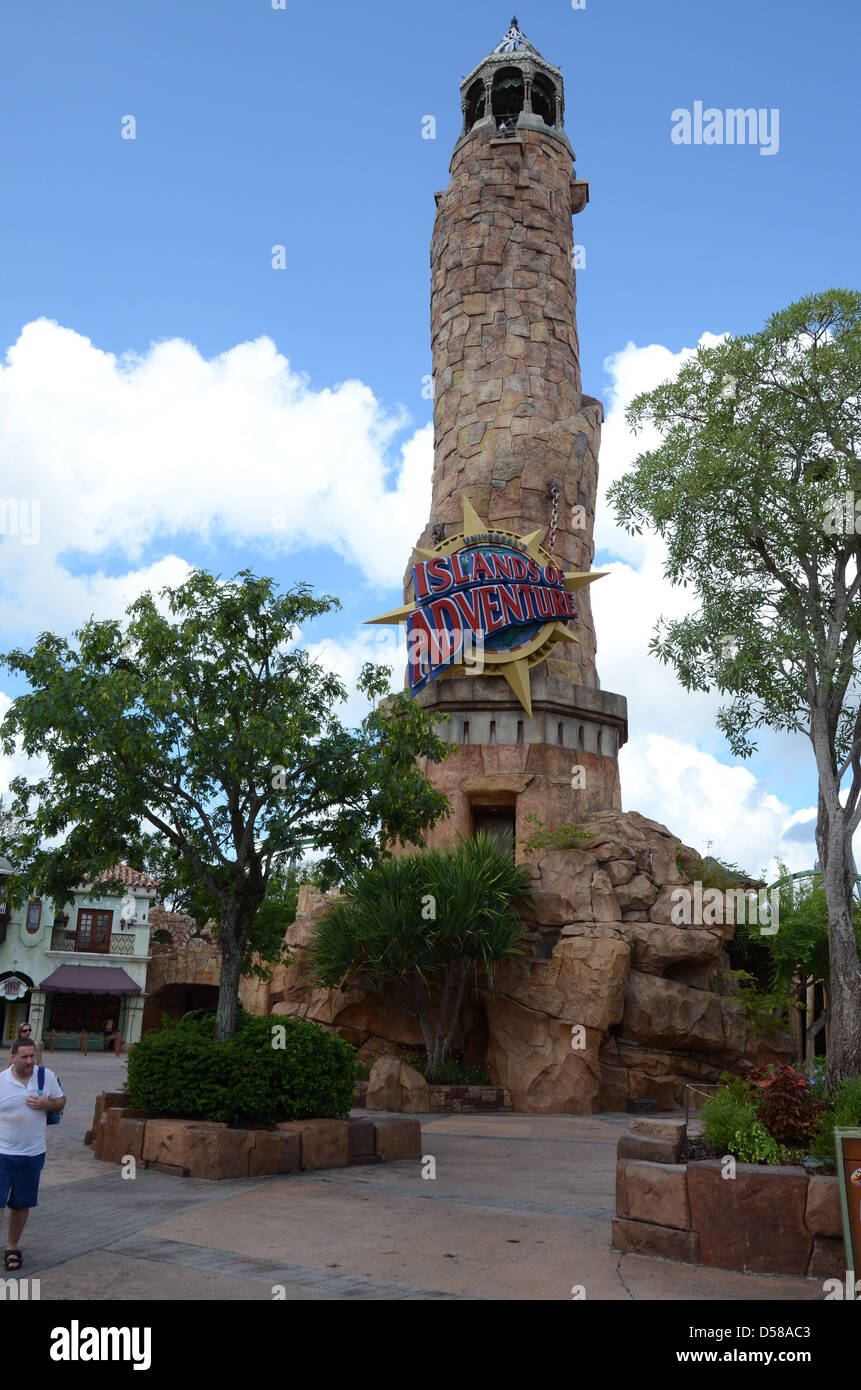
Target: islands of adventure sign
x,y
489,601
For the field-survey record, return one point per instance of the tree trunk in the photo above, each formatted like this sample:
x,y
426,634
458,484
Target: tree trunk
x,y
232,950
457,1005
834,842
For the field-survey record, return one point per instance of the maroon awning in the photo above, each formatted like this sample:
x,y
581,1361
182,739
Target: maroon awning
x,y
90,979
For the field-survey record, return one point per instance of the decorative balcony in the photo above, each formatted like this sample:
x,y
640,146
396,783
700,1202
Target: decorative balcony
x,y
120,944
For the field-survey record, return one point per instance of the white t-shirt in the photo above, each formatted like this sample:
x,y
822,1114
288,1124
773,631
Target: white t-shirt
x,y
22,1129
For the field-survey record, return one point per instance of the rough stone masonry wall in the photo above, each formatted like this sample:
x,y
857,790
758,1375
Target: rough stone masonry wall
x,y
763,1220
509,415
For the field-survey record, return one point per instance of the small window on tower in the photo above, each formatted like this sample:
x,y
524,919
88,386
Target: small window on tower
x,y
474,104
544,99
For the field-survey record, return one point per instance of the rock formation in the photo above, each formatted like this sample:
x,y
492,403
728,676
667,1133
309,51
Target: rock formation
x,y
613,1002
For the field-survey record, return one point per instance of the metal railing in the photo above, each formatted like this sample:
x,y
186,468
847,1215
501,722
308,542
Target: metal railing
x,y
121,944
70,1039
695,1095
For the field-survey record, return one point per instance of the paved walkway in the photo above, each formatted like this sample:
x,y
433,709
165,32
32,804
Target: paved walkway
x,y
520,1208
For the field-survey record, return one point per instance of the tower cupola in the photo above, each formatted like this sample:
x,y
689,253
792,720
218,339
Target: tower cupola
x,y
514,88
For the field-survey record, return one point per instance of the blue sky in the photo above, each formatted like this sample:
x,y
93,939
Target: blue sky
x,y
302,127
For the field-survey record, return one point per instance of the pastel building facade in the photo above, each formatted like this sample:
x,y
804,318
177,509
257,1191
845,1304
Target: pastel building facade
x,y
79,966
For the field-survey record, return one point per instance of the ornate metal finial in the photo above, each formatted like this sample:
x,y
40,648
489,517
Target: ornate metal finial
x,y
514,40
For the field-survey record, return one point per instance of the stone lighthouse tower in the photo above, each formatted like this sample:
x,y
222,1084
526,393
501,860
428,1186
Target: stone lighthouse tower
x,y
515,470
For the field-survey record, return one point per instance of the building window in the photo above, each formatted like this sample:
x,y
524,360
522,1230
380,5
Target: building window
x,y
83,1013
34,915
94,930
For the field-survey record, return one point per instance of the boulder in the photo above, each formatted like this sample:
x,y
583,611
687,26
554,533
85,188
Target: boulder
x,y
671,1014
561,887
583,982
656,948
620,871
605,904
531,1055
393,1085
636,895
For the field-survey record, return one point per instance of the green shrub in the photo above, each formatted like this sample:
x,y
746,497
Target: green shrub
x,y
846,1113
555,836
455,1073
727,1113
731,1123
710,872
420,929
755,1145
179,1069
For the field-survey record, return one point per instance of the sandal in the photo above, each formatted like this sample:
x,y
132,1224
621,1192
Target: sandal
x,y
13,1259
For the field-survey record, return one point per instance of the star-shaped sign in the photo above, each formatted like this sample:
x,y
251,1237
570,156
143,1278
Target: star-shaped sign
x,y
489,588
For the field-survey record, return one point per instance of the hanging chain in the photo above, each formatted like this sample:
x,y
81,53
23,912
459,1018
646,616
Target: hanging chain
x,y
553,489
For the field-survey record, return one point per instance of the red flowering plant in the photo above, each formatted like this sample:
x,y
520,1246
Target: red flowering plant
x,y
785,1103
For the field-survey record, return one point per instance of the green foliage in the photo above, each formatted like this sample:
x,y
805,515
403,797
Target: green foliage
x,y
555,837
754,1144
730,1110
732,1125
418,928
454,1073
710,872
766,1009
181,1070
845,1114
214,730
759,445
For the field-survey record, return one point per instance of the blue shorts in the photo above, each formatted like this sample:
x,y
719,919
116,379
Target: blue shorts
x,y
19,1180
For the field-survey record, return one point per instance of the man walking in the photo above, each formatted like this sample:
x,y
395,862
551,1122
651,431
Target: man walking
x,y
23,1122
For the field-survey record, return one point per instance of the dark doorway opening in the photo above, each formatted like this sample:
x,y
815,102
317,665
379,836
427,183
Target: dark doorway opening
x,y
497,822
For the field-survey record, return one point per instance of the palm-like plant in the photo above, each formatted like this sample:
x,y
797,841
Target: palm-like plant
x,y
416,929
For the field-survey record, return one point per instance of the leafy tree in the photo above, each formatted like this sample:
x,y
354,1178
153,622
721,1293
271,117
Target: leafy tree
x,y
761,446
209,729
416,929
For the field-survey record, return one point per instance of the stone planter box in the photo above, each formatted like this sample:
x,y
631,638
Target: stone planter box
x,y
765,1220
470,1100
394,1085
188,1148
